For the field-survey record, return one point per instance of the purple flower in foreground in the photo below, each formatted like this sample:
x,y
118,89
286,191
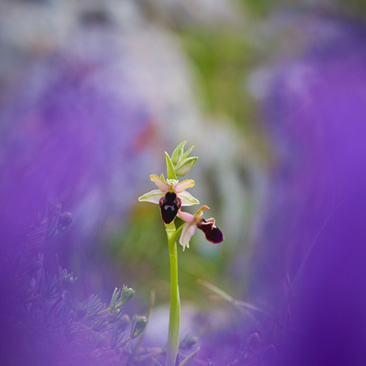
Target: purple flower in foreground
x,y
212,232
69,133
313,270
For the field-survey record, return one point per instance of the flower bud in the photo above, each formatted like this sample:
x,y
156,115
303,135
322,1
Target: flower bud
x,y
127,294
177,153
186,154
185,166
170,171
138,325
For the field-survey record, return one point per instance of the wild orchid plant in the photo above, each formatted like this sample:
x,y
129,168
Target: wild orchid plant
x,y
171,196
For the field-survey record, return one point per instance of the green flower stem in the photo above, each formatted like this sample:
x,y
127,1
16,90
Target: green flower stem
x,y
174,317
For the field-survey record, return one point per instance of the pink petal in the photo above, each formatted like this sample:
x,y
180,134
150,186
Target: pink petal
x,y
182,186
185,216
160,183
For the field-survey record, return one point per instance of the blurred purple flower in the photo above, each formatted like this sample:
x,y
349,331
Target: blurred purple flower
x,y
74,131
313,260
66,135
72,134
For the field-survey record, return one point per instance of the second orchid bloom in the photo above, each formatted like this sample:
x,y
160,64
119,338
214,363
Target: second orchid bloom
x,y
212,232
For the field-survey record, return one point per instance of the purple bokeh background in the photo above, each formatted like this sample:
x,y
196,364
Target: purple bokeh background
x,y
75,131
312,258
72,135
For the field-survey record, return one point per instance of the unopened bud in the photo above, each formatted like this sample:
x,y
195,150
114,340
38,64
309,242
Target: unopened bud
x,y
186,154
185,166
177,153
127,294
138,325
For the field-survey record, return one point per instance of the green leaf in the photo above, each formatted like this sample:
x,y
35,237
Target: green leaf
x,y
185,166
189,359
178,152
170,172
178,232
242,306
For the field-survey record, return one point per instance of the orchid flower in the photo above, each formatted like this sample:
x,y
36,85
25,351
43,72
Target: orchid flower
x,y
170,196
212,232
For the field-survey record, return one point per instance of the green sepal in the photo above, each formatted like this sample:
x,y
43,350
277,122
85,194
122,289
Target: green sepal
x,y
185,166
189,359
170,172
162,176
178,152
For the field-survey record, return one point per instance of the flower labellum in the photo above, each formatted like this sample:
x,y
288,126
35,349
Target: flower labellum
x,y
212,232
169,206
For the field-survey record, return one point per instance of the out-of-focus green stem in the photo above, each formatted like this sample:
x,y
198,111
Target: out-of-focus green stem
x,y
174,316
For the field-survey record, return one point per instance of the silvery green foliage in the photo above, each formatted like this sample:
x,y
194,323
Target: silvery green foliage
x,y
44,321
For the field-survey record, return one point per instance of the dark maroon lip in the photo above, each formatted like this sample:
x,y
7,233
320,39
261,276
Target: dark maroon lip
x,y
169,206
212,232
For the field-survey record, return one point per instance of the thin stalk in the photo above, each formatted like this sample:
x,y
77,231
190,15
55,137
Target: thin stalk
x,y
174,316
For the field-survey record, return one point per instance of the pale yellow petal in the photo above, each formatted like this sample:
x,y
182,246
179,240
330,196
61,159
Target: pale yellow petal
x,y
160,183
182,186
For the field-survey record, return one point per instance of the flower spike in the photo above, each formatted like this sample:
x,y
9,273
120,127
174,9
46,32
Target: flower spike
x,y
171,195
